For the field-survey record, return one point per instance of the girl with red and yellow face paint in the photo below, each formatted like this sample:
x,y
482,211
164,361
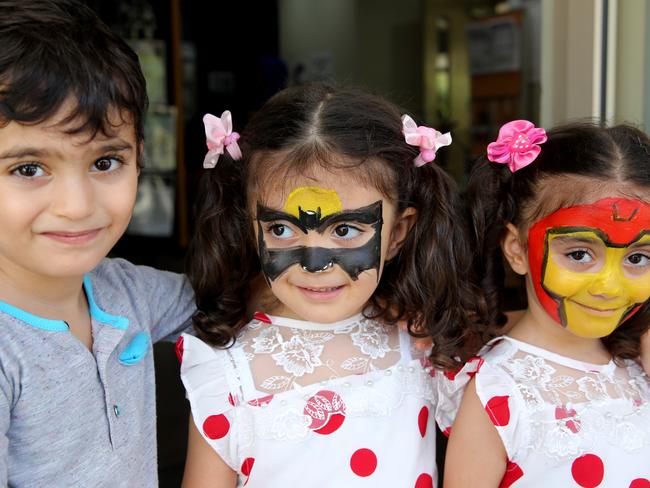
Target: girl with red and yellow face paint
x,y
559,398
590,264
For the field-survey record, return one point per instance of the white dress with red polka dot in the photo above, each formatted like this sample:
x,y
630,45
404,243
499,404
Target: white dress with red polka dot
x,y
563,422
299,403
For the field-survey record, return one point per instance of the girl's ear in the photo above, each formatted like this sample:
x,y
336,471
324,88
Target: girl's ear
x,y
403,225
514,250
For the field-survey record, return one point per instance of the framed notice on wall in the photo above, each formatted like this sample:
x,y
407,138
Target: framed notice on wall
x,y
494,45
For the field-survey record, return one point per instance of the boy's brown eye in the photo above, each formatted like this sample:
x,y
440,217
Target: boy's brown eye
x,y
104,164
28,170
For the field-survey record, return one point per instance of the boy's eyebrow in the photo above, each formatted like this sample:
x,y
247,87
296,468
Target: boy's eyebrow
x,y
115,145
21,152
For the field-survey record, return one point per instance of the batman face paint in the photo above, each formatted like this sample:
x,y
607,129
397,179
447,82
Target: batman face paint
x,y
322,243
590,264
313,210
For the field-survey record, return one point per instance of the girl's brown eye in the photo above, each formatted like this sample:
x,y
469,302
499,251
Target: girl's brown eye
x,y
277,230
342,230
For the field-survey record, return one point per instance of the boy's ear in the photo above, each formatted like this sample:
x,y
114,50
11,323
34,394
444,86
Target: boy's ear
x,y
514,250
403,225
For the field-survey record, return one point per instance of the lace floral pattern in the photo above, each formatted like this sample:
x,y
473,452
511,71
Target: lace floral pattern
x,y
303,356
566,410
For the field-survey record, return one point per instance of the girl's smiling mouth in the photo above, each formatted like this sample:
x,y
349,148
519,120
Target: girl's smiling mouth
x,y
321,293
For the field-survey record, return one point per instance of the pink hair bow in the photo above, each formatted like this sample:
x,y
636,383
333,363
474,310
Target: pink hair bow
x,y
219,136
429,140
517,144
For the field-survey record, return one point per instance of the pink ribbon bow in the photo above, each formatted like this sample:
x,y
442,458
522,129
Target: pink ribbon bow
x,y
219,136
517,144
429,140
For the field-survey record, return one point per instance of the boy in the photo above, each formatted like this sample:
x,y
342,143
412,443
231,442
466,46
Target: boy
x,y
77,404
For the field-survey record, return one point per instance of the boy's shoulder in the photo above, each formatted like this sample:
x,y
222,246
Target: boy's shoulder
x,y
119,272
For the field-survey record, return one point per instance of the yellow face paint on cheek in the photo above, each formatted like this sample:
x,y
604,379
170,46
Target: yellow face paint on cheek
x,y
594,303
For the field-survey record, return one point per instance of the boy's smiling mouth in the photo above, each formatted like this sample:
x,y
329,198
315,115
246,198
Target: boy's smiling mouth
x,y
79,237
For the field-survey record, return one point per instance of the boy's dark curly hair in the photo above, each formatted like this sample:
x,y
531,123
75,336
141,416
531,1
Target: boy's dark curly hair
x,y
54,51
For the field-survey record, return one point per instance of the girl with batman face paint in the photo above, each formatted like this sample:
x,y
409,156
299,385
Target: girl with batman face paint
x,y
326,207
561,399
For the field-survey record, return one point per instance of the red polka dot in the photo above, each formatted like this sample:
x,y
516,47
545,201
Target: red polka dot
x,y
327,412
640,483
588,471
363,462
216,426
563,413
451,375
258,402
423,418
262,317
447,431
424,481
247,466
512,474
179,349
498,410
335,421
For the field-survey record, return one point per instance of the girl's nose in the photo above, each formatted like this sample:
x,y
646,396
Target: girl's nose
x,y
316,260
608,282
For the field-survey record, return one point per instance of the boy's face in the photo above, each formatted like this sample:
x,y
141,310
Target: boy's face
x,y
64,199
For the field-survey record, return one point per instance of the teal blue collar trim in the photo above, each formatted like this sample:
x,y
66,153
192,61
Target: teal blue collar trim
x,y
59,325
28,318
98,314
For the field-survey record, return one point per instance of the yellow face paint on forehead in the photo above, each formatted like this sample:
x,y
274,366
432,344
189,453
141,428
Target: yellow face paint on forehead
x,y
313,199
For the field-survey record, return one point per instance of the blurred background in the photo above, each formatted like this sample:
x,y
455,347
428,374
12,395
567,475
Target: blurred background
x,y
464,66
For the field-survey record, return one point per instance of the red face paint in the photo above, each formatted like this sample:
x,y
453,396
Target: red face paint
x,y
616,224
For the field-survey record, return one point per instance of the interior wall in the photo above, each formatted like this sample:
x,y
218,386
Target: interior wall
x,y
631,61
570,60
376,44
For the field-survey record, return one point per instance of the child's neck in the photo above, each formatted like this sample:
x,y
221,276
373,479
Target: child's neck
x,y
537,328
51,298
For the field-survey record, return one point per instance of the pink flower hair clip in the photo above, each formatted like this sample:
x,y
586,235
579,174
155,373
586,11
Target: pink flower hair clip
x,y
517,144
219,136
429,140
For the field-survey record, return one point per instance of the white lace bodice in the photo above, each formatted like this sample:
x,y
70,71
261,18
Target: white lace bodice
x,y
344,401
285,353
561,419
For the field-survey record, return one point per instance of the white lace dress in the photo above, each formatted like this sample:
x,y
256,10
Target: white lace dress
x,y
565,423
296,403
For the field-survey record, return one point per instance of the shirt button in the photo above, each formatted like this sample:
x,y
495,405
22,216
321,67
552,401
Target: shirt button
x,y
116,410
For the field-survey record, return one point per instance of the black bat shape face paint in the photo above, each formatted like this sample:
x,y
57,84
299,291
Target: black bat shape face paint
x,y
316,259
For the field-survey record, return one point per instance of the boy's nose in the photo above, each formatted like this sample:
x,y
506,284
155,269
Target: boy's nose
x,y
73,198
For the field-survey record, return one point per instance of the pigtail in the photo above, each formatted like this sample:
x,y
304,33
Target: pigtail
x,y
222,247
491,206
427,282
